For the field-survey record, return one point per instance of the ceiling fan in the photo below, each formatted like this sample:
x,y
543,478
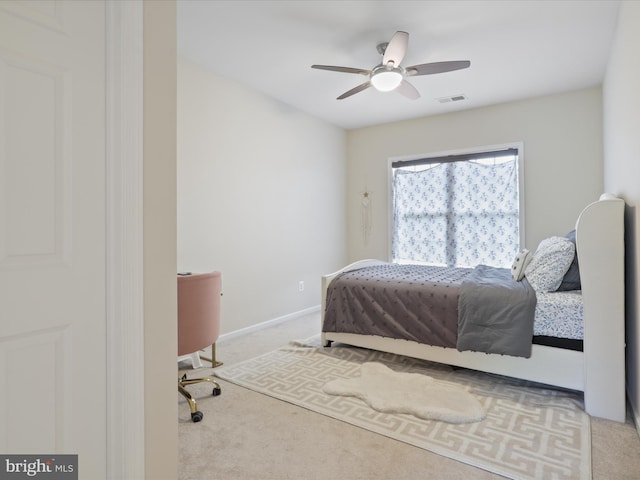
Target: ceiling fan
x,y
389,75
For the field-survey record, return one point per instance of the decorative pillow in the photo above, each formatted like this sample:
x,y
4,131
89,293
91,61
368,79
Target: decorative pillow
x,y
571,280
550,263
520,263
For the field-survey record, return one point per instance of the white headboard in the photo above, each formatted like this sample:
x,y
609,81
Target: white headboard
x,y
600,246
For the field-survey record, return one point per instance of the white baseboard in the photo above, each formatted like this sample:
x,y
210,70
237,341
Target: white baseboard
x,y
268,323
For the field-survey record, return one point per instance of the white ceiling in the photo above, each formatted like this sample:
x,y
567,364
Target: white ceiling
x,y
518,49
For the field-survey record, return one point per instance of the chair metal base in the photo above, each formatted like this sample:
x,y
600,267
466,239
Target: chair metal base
x,y
212,360
196,415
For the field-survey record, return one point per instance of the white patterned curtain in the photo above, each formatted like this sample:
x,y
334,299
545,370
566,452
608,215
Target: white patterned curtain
x,y
461,213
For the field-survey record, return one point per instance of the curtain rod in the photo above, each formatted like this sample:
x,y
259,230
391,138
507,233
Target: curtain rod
x,y
456,158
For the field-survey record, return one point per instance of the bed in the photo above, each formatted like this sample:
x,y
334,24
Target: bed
x,y
593,364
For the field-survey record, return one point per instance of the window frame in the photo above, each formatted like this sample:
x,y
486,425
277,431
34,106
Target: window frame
x,y
465,151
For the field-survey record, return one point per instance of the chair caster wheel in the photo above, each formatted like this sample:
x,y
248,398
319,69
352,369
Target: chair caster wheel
x,y
216,391
197,416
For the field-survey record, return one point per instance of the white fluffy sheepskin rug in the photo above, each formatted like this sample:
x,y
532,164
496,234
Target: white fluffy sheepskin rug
x,y
388,391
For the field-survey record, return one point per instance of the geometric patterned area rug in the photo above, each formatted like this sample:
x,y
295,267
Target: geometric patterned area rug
x,y
529,432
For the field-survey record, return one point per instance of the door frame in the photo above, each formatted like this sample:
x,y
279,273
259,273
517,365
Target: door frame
x,y
125,455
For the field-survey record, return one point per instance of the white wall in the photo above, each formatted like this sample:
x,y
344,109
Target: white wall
x,y
562,136
261,191
622,169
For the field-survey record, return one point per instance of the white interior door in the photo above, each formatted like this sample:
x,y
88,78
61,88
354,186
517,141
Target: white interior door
x,y
52,230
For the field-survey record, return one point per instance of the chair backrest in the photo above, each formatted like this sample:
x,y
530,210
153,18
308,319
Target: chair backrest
x,y
198,311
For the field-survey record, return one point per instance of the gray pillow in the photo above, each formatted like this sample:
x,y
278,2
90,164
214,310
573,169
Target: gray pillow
x,y
571,280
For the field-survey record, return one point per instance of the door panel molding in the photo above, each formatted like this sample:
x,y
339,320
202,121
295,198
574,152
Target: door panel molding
x,y
49,352
35,230
45,14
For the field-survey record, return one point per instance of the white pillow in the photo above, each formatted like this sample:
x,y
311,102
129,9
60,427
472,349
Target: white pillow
x,y
523,258
550,263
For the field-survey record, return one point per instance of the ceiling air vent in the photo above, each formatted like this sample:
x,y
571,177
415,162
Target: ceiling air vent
x,y
453,98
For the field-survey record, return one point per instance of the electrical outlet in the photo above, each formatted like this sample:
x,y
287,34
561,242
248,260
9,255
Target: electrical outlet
x,y
301,286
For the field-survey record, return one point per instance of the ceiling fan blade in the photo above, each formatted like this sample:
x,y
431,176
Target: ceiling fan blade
x,y
396,48
437,67
408,90
355,90
332,68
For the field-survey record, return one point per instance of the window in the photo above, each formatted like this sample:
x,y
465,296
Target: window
x,y
457,210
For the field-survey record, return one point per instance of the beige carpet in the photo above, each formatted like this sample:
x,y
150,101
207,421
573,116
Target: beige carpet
x,y
529,432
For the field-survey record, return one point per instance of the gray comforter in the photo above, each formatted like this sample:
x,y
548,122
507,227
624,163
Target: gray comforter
x,y
495,313
410,302
480,309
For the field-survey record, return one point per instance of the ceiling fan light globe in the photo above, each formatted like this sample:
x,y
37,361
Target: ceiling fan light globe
x,y
387,79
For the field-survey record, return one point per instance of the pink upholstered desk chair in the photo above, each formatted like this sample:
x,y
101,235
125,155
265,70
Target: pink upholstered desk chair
x,y
198,325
